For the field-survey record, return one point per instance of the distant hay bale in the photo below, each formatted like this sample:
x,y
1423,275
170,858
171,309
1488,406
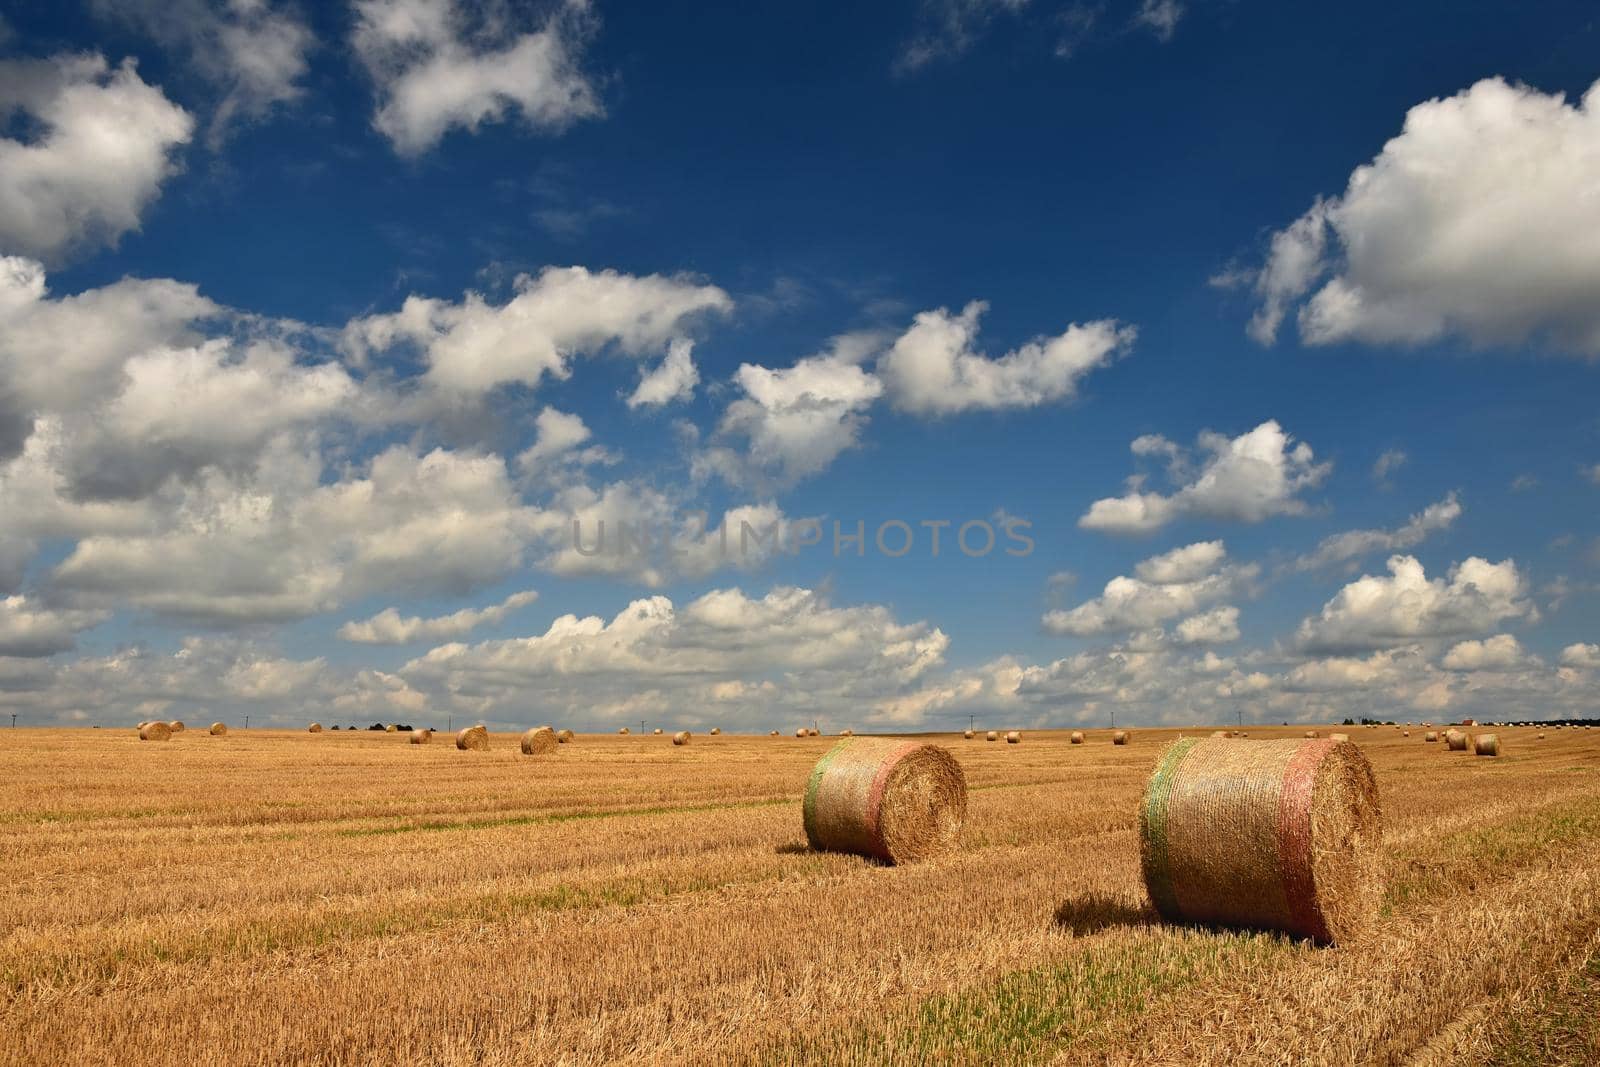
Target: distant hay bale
x,y
897,801
968,734
1119,737
422,737
539,740
1338,737
1220,733
564,737
1274,835
657,730
219,729
1405,733
1431,735
1311,735
1077,737
1486,745
814,732
1013,738
773,734
1541,735
715,730
991,736
473,739
681,737
391,728
802,732
623,730
176,726
847,733
1456,740
314,728
155,731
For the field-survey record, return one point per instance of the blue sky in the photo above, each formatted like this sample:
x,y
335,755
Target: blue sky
x,y
322,323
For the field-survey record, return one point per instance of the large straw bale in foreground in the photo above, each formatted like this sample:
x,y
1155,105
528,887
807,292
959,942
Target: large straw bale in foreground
x,y
1274,835
155,731
897,801
219,729
539,740
473,739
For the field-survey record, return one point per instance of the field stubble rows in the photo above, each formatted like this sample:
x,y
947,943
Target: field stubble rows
x,y
349,898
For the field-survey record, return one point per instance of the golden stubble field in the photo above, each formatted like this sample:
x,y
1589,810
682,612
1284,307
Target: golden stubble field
x,y
349,898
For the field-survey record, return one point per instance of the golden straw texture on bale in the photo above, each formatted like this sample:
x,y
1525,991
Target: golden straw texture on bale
x,y
1077,737
314,728
218,729
176,726
155,731
1431,735
1013,738
473,739
1486,744
1119,737
681,737
539,740
1457,740
564,736
894,800
968,734
421,737
1275,835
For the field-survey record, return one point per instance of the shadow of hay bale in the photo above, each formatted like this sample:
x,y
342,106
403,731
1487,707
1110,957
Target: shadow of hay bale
x,y
1100,911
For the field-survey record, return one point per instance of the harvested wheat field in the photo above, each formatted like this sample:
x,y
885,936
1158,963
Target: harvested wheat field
x,y
351,898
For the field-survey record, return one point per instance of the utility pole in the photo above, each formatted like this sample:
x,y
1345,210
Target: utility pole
x,y
247,722
972,723
641,726
13,720
449,722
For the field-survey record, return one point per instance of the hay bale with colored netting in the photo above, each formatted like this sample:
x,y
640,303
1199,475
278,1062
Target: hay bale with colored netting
x,y
681,737
896,801
314,728
1271,835
1077,737
1456,740
155,731
1014,738
473,739
1486,745
176,726
540,740
1119,737
422,737
219,729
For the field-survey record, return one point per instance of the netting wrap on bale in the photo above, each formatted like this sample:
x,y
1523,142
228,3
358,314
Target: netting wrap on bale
x,y
1273,835
897,801
539,740
473,739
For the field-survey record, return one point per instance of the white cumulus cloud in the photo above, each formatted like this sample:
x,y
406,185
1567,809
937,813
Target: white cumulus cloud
x,y
389,627
1407,606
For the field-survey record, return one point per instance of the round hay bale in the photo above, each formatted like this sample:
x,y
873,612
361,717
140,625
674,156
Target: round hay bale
x,y
1405,733
314,728
623,730
1013,738
1119,737
715,730
1338,737
991,736
681,737
897,801
176,726
473,739
1311,735
422,737
1077,737
1455,741
1486,745
773,734
539,740
1431,735
155,731
564,737
657,730
219,729
847,733
802,732
968,734
814,732
1541,736
391,728
1220,733
140,724
1275,835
